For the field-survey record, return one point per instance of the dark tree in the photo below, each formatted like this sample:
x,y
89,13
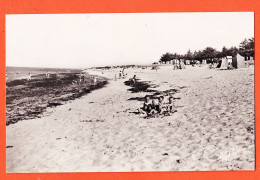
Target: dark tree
x,y
188,55
167,57
209,53
224,52
246,48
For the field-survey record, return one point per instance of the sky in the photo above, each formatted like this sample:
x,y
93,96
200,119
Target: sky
x,y
87,40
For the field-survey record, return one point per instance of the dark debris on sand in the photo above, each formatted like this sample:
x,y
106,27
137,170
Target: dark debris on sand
x,y
29,99
139,86
143,86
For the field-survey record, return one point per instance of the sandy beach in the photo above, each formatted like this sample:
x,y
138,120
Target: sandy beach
x,y
213,128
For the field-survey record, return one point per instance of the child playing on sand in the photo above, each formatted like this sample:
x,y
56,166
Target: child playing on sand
x,y
148,107
145,108
160,105
151,112
153,104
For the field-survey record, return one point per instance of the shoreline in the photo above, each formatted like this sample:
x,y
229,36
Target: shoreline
x,y
59,89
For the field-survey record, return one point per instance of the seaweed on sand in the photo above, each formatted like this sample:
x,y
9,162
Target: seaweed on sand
x,y
143,86
139,86
29,99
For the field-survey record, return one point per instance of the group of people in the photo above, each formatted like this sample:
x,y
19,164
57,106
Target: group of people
x,y
47,75
179,65
82,79
122,74
213,65
152,108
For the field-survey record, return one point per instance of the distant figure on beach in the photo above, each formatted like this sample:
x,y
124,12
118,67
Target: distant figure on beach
x,y
115,77
198,63
29,78
170,105
83,77
133,80
17,74
95,80
124,75
120,74
80,79
47,75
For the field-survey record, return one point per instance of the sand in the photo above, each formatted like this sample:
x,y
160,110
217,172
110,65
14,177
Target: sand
x,y
213,128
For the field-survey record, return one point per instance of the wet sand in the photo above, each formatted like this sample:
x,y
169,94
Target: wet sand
x,y
213,128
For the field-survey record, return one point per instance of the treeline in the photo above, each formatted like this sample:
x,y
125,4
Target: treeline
x,y
246,49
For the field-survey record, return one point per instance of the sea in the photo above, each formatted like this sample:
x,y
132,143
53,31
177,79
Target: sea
x,y
13,73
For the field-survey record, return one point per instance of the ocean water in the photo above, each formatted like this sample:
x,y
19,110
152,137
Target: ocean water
x,y
13,73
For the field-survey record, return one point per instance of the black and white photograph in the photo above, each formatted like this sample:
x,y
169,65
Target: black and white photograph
x,y
130,92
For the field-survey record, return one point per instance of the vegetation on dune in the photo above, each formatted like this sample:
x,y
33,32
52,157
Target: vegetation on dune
x,y
246,49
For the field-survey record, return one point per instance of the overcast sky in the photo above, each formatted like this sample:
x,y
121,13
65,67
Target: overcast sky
x,y
86,40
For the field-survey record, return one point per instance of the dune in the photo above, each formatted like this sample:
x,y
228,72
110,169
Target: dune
x,y
213,128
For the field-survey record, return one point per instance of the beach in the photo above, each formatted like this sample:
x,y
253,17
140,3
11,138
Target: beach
x,y
213,128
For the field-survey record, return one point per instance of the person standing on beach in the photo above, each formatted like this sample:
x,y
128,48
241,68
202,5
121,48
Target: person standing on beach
x,y
170,105
95,80
29,78
83,77
79,81
47,75
134,80
120,74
